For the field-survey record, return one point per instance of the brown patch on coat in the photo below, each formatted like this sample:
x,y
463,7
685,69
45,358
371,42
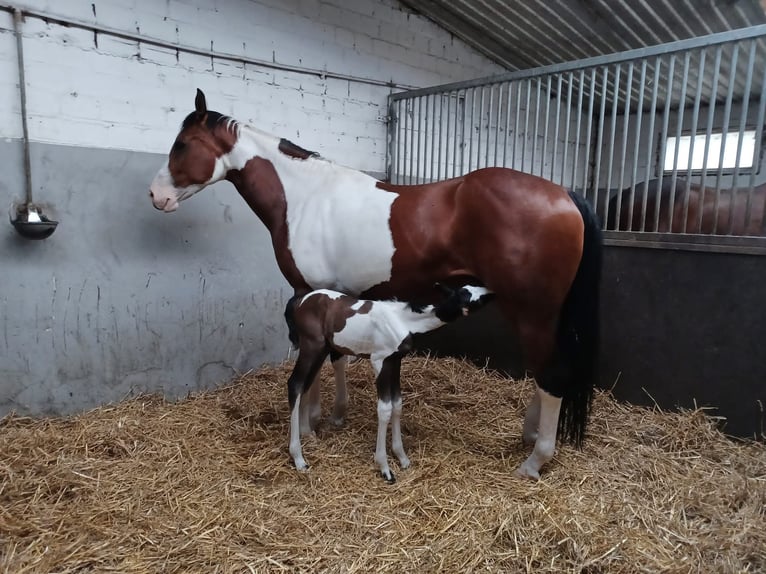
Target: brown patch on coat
x,y
295,151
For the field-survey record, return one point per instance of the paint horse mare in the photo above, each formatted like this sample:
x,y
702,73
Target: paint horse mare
x,y
327,322
700,214
535,245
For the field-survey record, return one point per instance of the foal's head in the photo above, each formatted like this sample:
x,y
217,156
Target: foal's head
x,y
461,301
195,160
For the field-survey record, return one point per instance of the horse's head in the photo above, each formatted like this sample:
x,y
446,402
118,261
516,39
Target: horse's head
x,y
196,159
462,301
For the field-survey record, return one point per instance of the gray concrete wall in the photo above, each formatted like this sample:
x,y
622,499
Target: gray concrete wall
x,y
122,298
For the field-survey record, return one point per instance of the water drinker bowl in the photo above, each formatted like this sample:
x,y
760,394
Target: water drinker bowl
x,y
30,222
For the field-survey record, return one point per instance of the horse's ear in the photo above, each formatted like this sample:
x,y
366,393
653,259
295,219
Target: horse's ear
x,y
200,105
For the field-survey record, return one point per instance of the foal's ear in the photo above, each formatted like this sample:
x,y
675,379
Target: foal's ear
x,y
200,105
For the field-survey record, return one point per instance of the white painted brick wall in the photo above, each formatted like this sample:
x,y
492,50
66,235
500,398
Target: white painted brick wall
x,y
102,91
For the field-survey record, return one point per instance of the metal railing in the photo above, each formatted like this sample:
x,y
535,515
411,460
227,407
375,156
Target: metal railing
x,y
666,141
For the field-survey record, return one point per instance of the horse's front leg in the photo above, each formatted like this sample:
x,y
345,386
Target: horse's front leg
x,y
339,363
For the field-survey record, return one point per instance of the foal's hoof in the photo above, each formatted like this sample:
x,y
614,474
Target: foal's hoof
x,y
337,421
388,476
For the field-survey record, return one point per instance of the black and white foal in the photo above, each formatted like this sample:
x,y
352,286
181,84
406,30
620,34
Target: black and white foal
x,y
328,322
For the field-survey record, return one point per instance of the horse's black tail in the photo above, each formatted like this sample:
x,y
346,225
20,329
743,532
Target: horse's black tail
x,y
292,328
578,330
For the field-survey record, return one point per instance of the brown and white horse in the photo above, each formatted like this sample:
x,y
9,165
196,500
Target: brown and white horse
x,y
535,245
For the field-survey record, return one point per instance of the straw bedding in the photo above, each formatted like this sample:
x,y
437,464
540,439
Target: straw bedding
x,y
206,485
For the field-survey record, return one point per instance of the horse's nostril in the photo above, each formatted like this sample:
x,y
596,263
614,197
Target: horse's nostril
x,y
151,194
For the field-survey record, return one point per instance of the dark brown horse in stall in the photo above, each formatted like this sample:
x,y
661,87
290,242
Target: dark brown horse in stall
x,y
701,203
537,246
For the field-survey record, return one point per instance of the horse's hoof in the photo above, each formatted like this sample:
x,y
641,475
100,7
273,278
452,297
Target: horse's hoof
x,y
529,473
301,466
388,476
404,462
337,421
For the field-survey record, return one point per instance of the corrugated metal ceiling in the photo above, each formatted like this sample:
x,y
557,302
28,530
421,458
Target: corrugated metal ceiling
x,y
523,34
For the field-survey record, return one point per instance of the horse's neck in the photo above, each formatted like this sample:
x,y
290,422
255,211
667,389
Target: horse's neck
x,y
421,322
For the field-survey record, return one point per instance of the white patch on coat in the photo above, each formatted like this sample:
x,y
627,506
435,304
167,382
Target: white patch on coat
x,y
337,218
326,292
476,292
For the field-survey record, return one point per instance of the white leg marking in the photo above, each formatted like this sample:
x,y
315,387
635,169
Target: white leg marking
x,y
546,438
396,434
295,437
532,420
341,392
381,457
377,364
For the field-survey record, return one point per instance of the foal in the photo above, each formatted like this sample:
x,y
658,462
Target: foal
x,y
328,322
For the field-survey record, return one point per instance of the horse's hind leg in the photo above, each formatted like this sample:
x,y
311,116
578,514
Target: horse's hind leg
x,y
538,340
396,416
532,420
385,370
339,363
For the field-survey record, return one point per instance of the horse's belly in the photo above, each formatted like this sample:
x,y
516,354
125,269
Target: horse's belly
x,y
342,240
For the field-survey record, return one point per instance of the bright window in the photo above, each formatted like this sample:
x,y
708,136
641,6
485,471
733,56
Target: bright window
x,y
747,154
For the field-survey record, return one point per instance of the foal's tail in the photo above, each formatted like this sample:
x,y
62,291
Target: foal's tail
x,y
578,330
292,328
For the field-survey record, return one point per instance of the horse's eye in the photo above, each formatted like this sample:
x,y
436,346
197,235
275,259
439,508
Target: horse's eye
x,y
178,146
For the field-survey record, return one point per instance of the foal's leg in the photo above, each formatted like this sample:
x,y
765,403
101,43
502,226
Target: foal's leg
x,y
339,363
306,366
385,370
311,411
396,416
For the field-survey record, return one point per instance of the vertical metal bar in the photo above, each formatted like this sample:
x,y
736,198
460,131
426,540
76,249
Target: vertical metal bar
x,y
637,142
708,132
498,115
577,132
507,124
441,133
473,124
556,130
724,133
650,142
612,137
566,129
745,99
589,132
695,122
478,133
489,122
463,112
537,127
625,126
547,122
664,139
526,125
418,160
411,114
516,125
757,154
599,144
433,137
679,125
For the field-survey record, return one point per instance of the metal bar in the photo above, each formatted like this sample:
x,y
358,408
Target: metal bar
x,y
612,136
695,122
507,124
599,144
433,137
516,124
709,131
650,142
724,132
742,123
637,142
489,122
17,17
757,154
392,155
459,109
526,125
547,122
664,140
577,133
686,242
498,114
566,129
478,133
625,124
679,125
441,132
426,118
556,129
471,128
621,57
535,132
411,110
418,161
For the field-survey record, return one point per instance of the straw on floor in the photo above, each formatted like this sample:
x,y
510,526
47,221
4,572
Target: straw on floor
x,y
206,485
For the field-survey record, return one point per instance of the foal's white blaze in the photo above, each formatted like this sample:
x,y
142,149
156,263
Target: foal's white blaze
x,y
545,444
476,292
